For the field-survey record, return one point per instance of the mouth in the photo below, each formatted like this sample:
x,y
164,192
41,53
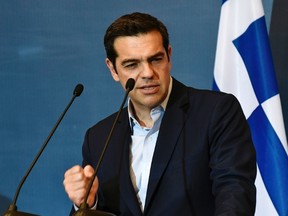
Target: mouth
x,y
149,89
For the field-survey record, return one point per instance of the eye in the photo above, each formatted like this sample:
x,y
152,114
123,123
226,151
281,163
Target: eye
x,y
156,60
131,65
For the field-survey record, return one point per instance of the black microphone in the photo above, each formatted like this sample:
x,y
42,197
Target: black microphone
x,y
84,208
12,210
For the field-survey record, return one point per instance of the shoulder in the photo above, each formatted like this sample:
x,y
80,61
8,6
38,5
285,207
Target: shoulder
x,y
200,97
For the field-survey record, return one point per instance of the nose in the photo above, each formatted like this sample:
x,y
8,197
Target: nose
x,y
147,71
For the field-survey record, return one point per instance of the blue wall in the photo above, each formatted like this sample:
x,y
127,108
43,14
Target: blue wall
x,y
46,48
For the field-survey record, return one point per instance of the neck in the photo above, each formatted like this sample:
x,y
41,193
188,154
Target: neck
x,y
143,116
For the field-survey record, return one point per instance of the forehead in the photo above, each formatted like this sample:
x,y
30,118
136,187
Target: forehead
x,y
139,45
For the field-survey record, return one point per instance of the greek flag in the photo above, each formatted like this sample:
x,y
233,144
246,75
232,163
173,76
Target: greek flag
x,y
244,67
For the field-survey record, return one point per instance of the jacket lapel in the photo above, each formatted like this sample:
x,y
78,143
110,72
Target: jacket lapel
x,y
170,129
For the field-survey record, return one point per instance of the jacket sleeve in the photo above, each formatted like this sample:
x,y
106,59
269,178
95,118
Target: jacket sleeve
x,y
232,160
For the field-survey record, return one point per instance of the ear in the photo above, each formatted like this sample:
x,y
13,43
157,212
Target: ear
x,y
112,70
170,51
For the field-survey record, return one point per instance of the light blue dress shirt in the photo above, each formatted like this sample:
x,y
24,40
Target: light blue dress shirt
x,y
141,152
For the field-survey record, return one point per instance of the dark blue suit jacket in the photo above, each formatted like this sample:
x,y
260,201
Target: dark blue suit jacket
x,y
203,164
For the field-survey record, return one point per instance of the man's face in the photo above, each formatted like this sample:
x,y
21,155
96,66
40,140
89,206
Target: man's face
x,y
144,59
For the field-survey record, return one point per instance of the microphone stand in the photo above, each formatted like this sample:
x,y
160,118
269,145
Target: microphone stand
x,y
84,208
12,210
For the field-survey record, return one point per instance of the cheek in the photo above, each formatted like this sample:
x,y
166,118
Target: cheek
x,y
123,78
164,74
127,76
134,97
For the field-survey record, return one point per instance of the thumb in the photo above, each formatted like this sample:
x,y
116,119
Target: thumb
x,y
88,171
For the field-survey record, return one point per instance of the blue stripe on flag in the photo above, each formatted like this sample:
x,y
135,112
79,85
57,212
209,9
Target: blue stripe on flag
x,y
271,158
255,51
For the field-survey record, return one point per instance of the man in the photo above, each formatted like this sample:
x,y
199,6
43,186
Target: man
x,y
176,150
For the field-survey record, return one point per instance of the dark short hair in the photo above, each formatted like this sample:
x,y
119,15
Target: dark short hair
x,y
132,25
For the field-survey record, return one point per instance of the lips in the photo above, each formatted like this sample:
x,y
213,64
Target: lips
x,y
149,89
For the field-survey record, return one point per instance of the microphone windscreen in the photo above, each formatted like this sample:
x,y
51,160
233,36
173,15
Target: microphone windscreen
x,y
78,90
130,84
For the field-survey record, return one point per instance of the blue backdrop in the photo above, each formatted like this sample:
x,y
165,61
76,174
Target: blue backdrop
x,y
46,48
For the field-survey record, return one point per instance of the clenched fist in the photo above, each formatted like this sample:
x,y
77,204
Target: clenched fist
x,y
76,181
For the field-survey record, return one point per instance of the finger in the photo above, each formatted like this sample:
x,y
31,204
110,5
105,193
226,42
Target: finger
x,y
93,192
74,178
73,170
88,171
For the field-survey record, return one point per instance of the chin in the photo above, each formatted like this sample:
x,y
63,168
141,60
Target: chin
x,y
153,103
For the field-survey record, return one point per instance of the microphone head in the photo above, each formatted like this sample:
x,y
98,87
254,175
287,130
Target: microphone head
x,y
130,84
78,90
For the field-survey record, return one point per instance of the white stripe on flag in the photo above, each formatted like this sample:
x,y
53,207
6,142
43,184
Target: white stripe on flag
x,y
270,106
263,198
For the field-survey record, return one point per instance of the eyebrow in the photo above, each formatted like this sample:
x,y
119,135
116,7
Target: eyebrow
x,y
127,61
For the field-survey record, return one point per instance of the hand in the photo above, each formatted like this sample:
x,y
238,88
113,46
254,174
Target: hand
x,y
76,181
